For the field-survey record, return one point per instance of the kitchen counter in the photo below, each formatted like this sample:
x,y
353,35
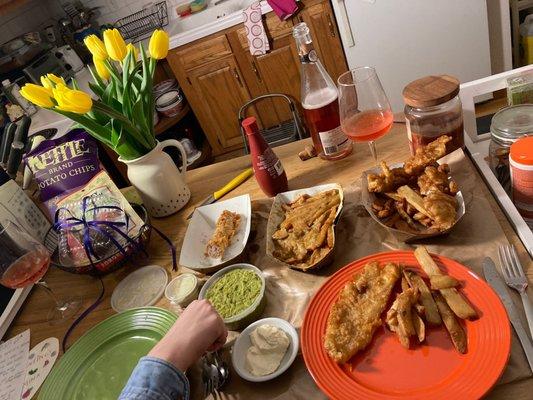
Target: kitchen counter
x,y
211,20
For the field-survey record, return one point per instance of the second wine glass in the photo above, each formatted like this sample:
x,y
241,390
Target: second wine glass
x,y
364,108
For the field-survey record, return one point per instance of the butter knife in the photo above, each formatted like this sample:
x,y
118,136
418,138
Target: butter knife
x,y
496,282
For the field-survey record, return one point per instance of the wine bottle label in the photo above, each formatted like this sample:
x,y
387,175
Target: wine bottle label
x,y
270,162
334,141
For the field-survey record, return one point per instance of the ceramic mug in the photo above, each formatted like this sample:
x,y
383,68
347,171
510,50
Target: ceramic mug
x,y
158,180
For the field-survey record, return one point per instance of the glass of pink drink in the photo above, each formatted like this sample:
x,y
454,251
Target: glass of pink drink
x,y
23,262
365,111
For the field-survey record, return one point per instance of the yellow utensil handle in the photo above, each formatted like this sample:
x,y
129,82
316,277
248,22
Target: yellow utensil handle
x,y
233,183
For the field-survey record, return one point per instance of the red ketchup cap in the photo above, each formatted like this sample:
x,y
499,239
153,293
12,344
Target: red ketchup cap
x,y
250,125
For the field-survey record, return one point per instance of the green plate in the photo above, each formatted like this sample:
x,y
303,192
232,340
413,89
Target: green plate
x,y
99,364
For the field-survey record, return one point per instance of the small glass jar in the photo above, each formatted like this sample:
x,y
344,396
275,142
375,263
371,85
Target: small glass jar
x,y
433,109
507,126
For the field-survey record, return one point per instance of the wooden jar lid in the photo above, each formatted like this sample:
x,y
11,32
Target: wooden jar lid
x,y
431,91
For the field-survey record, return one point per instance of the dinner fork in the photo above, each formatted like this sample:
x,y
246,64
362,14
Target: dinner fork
x,y
515,278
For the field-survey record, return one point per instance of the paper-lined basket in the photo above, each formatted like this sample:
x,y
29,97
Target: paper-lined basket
x,y
368,199
277,215
201,228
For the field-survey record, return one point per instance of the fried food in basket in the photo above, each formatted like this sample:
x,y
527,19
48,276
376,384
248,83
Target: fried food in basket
x,y
356,314
305,236
225,228
418,197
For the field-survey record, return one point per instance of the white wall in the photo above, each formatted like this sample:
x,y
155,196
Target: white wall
x,y
112,10
32,15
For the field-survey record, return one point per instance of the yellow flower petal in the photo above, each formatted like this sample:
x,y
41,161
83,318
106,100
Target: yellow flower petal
x,y
115,44
72,100
95,46
158,46
131,48
38,95
101,69
50,80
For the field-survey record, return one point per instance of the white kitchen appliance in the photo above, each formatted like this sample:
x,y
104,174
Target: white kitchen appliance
x,y
70,58
408,39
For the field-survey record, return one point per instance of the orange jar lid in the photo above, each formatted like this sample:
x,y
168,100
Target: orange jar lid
x,y
522,151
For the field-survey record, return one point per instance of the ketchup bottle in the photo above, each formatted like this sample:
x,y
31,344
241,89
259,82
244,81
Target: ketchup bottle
x,y
268,169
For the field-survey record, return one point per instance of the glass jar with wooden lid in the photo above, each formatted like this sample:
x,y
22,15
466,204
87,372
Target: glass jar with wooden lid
x,y
432,109
507,126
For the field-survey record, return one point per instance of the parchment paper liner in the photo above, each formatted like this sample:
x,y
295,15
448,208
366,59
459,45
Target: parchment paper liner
x,y
368,198
277,215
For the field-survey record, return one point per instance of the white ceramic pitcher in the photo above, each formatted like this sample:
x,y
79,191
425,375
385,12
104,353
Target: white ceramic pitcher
x,y
159,182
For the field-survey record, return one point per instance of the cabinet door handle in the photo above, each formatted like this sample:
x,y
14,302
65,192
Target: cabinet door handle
x,y
237,76
330,25
189,80
256,72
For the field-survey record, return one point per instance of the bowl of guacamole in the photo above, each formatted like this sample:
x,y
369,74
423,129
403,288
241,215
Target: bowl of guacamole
x,y
238,294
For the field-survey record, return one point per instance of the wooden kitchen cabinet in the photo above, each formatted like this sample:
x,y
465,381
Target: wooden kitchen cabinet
x,y
222,91
218,74
321,22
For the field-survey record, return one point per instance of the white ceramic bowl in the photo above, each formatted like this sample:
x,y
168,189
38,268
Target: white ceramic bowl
x,y
238,354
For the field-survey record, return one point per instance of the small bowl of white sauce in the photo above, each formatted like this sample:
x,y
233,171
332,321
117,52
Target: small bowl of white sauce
x,y
265,349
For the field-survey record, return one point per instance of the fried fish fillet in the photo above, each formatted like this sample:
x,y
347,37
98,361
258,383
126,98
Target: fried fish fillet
x,y
356,313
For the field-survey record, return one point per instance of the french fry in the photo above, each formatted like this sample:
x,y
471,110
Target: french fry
x,y
404,284
406,300
413,198
454,328
430,308
460,306
420,328
393,196
443,282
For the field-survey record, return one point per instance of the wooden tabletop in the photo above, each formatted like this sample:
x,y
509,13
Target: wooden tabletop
x,y
203,182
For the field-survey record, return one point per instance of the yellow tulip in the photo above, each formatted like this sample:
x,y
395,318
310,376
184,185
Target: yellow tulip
x,y
72,100
95,46
50,80
130,47
158,45
101,69
115,44
38,95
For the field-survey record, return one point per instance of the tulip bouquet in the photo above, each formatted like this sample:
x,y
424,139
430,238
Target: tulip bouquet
x,y
122,116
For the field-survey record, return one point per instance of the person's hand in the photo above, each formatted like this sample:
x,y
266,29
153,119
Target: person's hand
x,y
198,329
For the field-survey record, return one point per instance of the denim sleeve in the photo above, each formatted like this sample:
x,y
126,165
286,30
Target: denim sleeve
x,y
155,379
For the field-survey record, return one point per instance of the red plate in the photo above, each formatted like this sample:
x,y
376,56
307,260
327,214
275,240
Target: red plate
x,y
433,370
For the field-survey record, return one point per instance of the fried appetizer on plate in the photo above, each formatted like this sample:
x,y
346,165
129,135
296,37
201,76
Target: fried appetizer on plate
x,y
356,314
226,226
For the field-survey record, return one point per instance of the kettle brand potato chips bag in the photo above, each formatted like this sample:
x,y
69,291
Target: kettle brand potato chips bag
x,y
63,164
67,169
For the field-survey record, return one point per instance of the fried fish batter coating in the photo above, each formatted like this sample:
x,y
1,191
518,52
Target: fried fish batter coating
x,y
426,155
226,226
356,314
442,208
388,181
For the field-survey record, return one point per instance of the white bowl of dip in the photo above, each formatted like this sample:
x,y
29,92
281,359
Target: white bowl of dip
x,y
243,343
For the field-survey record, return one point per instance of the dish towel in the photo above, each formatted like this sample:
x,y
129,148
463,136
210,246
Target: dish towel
x,y
255,31
283,8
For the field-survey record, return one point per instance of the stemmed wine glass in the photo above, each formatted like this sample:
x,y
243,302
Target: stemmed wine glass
x,y
364,108
24,261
